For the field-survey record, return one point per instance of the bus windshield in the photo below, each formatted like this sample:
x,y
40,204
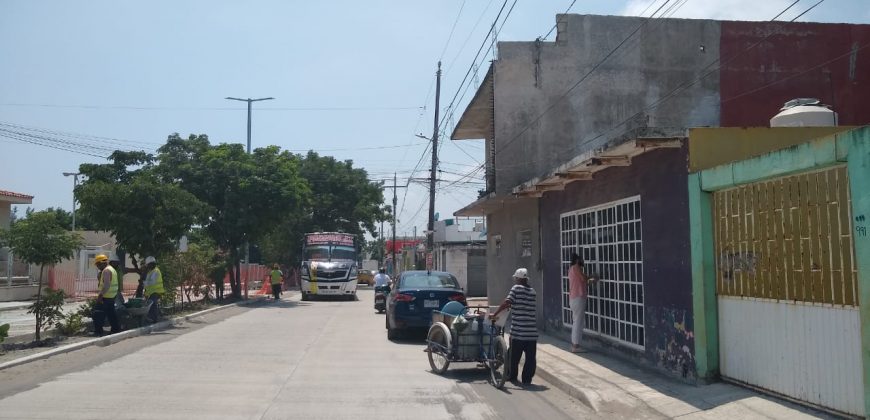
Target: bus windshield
x,y
327,252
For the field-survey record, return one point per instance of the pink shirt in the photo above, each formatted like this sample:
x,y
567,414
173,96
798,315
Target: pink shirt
x,y
576,283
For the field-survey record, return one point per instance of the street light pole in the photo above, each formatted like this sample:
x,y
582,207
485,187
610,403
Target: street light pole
x,y
249,101
247,246
75,176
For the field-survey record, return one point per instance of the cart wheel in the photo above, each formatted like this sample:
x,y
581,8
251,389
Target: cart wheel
x,y
439,347
498,362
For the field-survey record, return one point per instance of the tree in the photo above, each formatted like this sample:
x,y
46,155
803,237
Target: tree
x,y
248,194
64,218
145,214
40,240
343,200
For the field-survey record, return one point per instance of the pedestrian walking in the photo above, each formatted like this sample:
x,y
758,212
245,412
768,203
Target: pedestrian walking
x,y
524,330
577,292
107,285
153,288
276,277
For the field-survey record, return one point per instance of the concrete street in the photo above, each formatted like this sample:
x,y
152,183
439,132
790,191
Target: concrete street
x,y
288,359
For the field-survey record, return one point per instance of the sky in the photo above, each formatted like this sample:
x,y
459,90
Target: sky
x,y
351,79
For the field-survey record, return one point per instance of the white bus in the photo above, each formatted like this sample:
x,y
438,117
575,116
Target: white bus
x,y
329,265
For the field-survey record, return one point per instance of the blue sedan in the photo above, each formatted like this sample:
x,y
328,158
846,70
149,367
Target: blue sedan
x,y
415,295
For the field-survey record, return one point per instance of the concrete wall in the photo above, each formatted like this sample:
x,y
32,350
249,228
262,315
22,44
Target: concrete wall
x,y
659,177
5,214
500,266
813,60
658,60
457,264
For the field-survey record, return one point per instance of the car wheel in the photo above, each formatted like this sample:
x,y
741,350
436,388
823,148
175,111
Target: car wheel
x,y
305,297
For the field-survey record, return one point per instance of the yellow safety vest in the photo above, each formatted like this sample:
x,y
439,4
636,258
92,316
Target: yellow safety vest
x,y
113,287
156,287
276,277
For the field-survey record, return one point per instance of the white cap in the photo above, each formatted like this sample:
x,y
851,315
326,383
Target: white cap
x,y
150,260
521,273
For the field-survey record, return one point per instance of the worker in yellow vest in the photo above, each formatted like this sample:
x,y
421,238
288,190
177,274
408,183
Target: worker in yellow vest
x,y
277,278
153,287
107,285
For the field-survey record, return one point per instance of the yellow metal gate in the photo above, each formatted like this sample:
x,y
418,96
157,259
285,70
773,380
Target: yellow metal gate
x,y
787,288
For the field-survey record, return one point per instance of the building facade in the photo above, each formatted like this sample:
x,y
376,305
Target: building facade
x,y
592,156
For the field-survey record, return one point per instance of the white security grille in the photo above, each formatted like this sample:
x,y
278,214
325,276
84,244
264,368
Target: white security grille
x,y
608,237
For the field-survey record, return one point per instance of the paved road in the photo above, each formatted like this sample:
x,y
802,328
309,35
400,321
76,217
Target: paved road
x,y
288,359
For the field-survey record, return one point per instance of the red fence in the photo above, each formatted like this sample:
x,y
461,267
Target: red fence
x,y
76,288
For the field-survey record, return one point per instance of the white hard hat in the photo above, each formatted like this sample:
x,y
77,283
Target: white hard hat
x,y
521,273
150,260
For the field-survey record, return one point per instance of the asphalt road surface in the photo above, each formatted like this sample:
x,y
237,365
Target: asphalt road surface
x,y
286,359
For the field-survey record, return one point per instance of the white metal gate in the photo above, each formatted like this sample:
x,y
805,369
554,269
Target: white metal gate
x,y
608,237
787,288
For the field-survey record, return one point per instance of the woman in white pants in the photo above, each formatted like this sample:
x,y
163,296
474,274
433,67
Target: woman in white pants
x,y
577,281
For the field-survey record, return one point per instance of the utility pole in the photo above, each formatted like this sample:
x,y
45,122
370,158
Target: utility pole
x,y
248,245
395,202
75,176
430,228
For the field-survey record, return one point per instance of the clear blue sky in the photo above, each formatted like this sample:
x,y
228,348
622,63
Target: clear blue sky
x,y
138,71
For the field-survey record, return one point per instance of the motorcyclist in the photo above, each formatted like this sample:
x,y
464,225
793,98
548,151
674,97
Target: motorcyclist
x,y
382,279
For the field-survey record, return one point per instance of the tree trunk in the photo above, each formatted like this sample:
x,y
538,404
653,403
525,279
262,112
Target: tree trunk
x,y
235,276
237,286
38,312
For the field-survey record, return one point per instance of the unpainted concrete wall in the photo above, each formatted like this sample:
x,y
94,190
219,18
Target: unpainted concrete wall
x,y
659,177
500,265
530,77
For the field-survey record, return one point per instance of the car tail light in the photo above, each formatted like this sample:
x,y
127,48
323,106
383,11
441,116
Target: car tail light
x,y
459,297
401,297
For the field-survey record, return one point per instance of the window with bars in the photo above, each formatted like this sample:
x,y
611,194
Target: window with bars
x,y
608,237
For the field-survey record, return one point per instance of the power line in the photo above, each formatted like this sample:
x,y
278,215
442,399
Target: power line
x,y
676,90
583,78
479,50
558,22
165,108
446,44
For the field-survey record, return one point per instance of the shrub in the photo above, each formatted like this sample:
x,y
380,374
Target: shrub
x,y
48,309
72,324
4,332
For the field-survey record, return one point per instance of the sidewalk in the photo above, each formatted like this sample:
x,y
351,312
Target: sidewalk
x,y
616,388
620,389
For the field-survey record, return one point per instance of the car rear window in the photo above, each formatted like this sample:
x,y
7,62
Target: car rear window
x,y
430,281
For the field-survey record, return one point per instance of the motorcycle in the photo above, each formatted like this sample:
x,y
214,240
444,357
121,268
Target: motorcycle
x,y
381,293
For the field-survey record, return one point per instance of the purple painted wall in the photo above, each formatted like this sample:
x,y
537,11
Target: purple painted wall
x,y
660,178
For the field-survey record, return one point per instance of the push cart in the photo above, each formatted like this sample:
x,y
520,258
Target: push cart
x,y
471,339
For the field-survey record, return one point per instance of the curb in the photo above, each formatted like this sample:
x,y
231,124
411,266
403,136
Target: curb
x,y
587,397
14,308
115,338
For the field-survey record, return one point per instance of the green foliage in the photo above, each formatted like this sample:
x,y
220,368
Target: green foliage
x,y
64,218
4,332
40,240
47,310
344,200
247,195
193,268
145,213
71,324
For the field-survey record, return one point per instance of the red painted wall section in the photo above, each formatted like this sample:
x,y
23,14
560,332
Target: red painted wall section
x,y
830,62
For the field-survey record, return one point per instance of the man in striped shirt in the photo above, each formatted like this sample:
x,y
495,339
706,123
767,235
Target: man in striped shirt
x,y
524,329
